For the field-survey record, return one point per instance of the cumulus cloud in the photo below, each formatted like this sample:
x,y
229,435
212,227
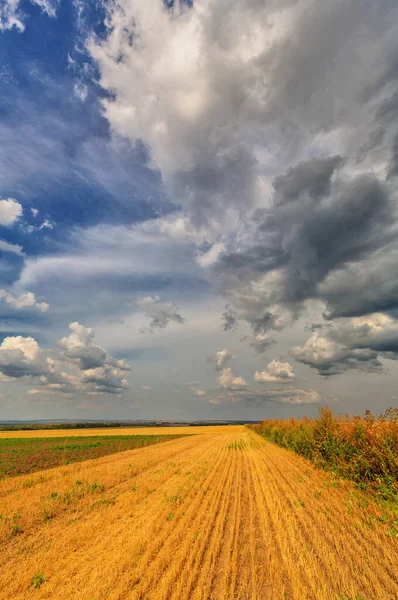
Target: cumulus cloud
x,y
221,358
27,300
78,347
80,367
10,212
276,372
20,357
159,313
347,344
227,381
261,341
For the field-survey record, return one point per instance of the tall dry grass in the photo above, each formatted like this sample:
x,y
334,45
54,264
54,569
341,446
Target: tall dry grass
x,y
364,450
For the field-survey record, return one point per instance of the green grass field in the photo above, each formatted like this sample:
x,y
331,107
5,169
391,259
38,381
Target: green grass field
x,y
19,456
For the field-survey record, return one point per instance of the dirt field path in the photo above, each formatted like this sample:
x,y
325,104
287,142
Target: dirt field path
x,y
221,515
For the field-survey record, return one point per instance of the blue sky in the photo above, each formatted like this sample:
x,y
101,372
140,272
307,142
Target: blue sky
x,y
197,208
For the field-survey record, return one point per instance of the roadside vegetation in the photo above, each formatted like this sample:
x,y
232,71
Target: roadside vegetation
x,y
20,456
363,450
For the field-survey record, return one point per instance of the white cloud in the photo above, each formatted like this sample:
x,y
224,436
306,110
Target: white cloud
x,y
227,381
47,6
27,346
27,300
81,367
276,372
13,248
189,94
34,212
42,306
80,90
103,251
11,14
206,259
221,358
10,212
47,224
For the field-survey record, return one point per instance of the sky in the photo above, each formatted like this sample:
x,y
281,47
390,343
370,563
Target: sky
x,y
198,208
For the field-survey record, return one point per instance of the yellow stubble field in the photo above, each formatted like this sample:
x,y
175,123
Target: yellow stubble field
x,y
219,515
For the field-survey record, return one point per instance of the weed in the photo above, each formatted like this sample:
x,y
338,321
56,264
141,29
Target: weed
x,y
96,487
37,581
105,502
15,529
236,445
174,499
28,483
170,516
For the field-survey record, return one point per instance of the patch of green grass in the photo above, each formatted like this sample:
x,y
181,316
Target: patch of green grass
x,y
236,445
15,529
37,580
19,456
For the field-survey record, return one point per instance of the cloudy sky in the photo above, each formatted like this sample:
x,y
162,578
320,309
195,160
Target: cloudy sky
x,y
198,208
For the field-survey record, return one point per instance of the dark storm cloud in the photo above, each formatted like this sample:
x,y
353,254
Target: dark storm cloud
x,y
304,242
229,319
312,177
393,170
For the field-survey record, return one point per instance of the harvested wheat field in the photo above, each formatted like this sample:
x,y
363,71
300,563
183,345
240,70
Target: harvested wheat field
x,y
219,515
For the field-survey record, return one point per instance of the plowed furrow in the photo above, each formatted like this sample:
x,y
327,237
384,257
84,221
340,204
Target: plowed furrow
x,y
177,549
